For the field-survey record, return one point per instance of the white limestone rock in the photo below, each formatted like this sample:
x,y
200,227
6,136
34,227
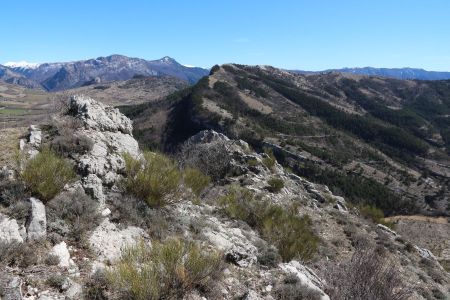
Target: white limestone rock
x,y
37,224
9,230
93,186
35,137
107,240
99,117
386,229
425,253
60,250
305,275
236,246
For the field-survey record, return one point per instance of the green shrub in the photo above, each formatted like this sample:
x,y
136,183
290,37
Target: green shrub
x,y
275,184
56,281
152,179
195,180
46,174
375,214
291,234
165,271
240,203
270,160
269,257
253,163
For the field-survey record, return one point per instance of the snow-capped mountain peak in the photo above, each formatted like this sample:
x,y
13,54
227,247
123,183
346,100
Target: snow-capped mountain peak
x,y
22,64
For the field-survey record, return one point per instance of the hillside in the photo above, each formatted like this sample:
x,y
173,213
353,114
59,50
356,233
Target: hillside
x,y
379,142
87,214
67,75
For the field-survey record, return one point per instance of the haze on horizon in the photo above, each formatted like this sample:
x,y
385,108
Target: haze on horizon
x,y
292,35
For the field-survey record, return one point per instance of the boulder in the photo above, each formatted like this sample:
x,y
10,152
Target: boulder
x,y
60,250
9,230
37,222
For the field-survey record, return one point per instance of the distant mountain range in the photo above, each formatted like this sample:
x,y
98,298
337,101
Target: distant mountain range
x,y
397,73
66,75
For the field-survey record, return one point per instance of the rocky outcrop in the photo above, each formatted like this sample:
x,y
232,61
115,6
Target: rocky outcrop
x,y
110,131
107,241
30,146
99,117
9,230
305,275
37,223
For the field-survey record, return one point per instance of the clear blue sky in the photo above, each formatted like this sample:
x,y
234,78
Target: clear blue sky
x,y
301,34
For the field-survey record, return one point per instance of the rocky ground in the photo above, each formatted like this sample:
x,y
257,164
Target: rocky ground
x,y
57,256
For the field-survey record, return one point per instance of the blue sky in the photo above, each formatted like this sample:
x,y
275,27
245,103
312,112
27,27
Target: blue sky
x,y
309,35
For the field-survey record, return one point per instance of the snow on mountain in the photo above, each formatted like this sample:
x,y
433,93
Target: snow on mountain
x,y
22,64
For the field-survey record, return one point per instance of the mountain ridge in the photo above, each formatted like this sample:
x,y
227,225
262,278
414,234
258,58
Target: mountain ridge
x,y
331,126
406,73
65,75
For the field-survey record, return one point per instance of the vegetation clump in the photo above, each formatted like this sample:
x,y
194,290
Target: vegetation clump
x,y
157,179
275,184
292,234
167,270
368,275
77,211
270,160
153,178
293,289
195,180
71,143
46,174
375,214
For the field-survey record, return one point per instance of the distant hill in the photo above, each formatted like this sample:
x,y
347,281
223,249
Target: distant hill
x,y
396,73
372,140
66,75
9,76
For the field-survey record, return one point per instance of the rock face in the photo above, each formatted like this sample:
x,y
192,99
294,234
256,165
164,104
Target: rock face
x,y
110,132
37,223
107,240
9,230
98,117
305,275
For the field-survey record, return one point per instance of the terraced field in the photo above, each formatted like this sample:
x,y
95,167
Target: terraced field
x,y
20,106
